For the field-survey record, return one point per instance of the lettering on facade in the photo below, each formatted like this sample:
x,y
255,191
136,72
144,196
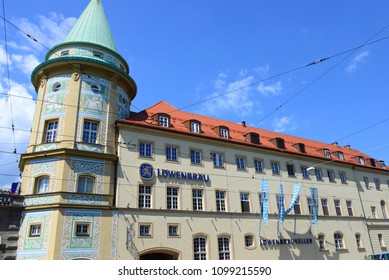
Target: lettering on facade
x,y
146,172
286,241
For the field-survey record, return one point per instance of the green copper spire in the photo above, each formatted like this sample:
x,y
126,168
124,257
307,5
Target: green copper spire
x,y
92,27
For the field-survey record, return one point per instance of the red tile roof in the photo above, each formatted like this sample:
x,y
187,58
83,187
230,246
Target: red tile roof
x,y
237,131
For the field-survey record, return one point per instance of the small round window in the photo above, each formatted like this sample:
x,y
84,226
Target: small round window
x,y
56,87
95,88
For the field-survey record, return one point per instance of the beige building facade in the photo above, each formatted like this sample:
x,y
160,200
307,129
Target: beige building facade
x,y
102,182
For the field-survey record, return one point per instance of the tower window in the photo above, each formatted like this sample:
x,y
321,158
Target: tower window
x,y
64,53
56,87
85,184
42,185
95,88
89,134
35,230
98,54
51,131
82,229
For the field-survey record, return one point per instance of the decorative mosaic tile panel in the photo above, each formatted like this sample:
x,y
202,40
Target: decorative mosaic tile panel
x,y
84,199
42,200
42,167
80,166
80,245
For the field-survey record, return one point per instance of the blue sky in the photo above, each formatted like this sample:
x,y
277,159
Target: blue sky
x,y
185,52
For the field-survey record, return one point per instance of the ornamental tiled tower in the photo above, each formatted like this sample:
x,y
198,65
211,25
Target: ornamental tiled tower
x,y
69,168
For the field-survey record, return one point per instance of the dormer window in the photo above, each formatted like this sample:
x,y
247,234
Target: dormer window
x,y
301,147
280,143
253,138
327,153
163,120
383,165
361,160
340,155
223,132
372,161
195,126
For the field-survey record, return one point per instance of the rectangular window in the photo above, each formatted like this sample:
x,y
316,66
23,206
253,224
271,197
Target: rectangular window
x,y
366,180
340,156
275,167
304,172
221,201
245,202
373,212
361,160
51,131
197,198
35,230
297,207
240,163
319,174
310,204
343,178
260,204
171,153
172,198
218,160
331,175
82,229
224,132
258,166
349,208
377,184
224,248
338,209
195,157
144,197
358,240
164,121
145,230
290,168
324,205
89,134
199,248
173,230
195,127
145,150
381,241
327,153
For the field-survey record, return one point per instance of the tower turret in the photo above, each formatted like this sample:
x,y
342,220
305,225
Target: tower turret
x,y
69,168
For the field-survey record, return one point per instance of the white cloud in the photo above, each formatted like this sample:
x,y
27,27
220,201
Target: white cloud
x,y
358,59
25,63
22,114
49,31
235,97
271,89
284,124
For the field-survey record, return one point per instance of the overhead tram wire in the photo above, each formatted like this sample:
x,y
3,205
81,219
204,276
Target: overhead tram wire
x,y
8,79
352,51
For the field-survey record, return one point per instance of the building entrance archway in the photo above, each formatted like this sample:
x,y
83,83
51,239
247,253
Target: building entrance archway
x,y
159,254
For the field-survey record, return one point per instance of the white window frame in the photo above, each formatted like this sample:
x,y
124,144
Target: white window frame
x,y
339,242
220,200
322,241
195,156
245,202
145,149
338,208
35,230
383,209
82,229
51,131
350,210
319,174
200,247
252,241
324,207
331,176
304,172
195,127
241,163
197,200
144,196
42,184
218,160
224,247
358,240
85,184
373,212
275,167
327,153
258,163
145,230
164,121
343,177
90,134
224,132
175,232
172,198
171,153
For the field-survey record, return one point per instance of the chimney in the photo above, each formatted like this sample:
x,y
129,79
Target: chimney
x,y
244,123
335,143
348,146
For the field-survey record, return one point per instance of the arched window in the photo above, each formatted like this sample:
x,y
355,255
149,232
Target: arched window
x,y
322,241
85,184
224,247
42,184
95,87
383,208
358,240
381,241
339,244
200,248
